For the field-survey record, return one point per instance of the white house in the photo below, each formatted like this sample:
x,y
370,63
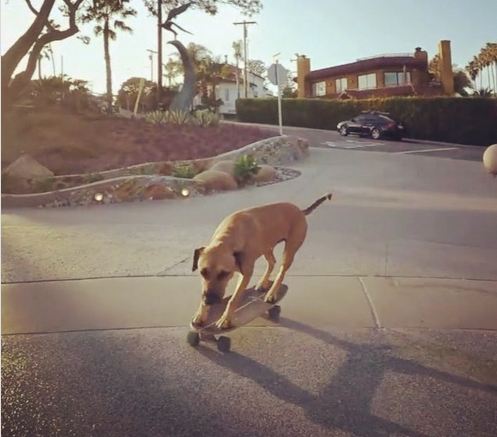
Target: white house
x,y
228,91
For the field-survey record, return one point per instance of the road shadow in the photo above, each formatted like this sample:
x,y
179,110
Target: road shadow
x,y
346,402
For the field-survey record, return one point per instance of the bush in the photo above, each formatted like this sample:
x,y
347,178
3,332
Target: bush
x,y
185,171
245,168
462,120
206,118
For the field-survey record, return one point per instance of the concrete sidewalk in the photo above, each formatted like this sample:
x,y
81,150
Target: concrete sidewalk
x,y
321,301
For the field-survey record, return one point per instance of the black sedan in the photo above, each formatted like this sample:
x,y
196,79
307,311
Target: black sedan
x,y
374,124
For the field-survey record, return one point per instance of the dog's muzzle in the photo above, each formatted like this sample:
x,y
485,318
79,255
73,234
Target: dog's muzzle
x,y
211,298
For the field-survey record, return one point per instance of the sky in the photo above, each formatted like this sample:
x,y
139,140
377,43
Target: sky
x,y
329,32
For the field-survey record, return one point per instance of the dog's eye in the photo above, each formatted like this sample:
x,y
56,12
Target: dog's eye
x,y
204,273
222,275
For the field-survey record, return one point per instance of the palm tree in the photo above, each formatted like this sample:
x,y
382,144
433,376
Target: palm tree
x,y
491,49
237,51
472,70
105,16
172,69
485,62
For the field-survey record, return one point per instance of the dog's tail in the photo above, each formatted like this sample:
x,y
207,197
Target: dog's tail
x,y
318,202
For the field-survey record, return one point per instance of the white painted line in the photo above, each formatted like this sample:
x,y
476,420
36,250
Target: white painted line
x,y
371,305
358,145
440,149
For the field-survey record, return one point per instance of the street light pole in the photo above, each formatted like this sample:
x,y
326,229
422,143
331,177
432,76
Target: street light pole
x,y
151,56
159,51
245,75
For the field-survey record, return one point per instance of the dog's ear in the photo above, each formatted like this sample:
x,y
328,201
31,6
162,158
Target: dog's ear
x,y
239,260
196,254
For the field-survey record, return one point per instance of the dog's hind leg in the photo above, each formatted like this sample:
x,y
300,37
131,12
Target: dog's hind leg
x,y
292,244
265,282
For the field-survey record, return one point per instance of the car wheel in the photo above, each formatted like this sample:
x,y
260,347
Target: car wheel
x,y
375,133
343,131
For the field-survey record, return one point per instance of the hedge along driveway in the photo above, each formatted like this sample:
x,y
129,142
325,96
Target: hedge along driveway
x,y
463,120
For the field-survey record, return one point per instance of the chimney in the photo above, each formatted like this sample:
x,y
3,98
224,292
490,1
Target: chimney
x,y
446,74
421,55
303,67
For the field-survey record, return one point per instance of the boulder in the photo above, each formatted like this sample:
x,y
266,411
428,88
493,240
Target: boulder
x,y
25,167
216,180
224,166
158,192
266,173
490,159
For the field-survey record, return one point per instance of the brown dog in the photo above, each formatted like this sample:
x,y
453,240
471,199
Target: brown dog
x,y
238,242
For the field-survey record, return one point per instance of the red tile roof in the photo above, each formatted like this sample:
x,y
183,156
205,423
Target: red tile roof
x,y
368,65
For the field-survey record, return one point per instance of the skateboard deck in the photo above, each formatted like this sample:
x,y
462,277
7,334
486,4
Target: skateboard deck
x,y
251,306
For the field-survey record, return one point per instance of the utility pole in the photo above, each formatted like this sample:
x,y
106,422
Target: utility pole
x,y
245,74
151,57
159,50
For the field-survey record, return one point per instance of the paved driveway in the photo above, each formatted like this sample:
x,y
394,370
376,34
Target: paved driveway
x,y
389,326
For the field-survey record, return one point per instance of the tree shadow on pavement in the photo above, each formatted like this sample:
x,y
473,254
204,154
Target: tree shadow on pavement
x,y
345,403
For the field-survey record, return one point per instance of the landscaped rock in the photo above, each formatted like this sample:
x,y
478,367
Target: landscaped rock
x,y
214,180
266,173
225,166
490,159
158,192
26,167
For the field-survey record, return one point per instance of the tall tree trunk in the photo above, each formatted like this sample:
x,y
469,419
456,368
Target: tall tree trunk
x,y
39,67
20,48
107,66
494,71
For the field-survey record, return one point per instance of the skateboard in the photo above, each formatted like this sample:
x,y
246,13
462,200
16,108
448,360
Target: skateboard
x,y
251,306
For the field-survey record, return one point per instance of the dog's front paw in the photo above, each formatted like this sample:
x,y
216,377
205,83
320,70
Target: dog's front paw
x,y
198,320
224,322
261,289
270,298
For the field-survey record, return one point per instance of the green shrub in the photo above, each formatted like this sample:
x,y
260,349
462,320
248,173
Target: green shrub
x,y
156,117
464,120
245,168
206,118
43,185
178,117
93,177
185,171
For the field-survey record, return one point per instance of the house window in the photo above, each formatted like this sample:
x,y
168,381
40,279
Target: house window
x,y
367,81
226,95
319,89
397,78
341,84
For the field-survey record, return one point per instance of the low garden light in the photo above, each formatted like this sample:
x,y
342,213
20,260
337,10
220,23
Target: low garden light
x,y
99,197
185,192
490,159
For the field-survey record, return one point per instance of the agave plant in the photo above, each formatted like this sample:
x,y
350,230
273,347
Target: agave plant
x,y
178,117
156,117
206,118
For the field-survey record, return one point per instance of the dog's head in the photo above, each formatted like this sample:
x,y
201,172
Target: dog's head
x,y
216,266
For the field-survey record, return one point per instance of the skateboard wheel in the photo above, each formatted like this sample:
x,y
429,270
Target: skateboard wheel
x,y
193,338
224,344
274,313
